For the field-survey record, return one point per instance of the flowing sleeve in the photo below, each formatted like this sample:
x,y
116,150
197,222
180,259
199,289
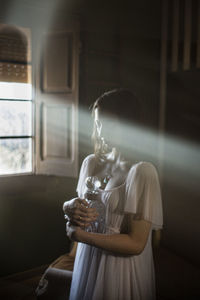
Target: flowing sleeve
x,y
143,194
85,171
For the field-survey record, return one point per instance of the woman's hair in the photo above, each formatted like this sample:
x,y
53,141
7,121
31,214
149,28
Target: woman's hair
x,y
123,104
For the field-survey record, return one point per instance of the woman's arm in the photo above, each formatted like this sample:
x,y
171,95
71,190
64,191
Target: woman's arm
x,y
131,243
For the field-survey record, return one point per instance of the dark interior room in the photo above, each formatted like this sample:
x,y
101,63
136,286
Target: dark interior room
x,y
151,48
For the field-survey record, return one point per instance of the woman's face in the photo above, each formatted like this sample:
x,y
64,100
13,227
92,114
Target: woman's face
x,y
111,130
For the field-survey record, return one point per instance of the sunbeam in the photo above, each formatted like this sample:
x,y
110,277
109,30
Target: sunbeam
x,y
180,157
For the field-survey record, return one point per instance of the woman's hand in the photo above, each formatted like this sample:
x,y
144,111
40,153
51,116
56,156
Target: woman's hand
x,y
78,212
72,230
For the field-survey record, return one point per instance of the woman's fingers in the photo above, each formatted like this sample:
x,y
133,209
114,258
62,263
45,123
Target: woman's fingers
x,y
82,215
82,206
89,210
83,219
83,202
82,224
86,212
87,218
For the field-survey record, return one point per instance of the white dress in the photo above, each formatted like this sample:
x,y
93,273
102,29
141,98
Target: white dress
x,y
102,275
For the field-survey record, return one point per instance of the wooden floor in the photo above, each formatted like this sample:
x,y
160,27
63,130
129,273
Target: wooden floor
x,y
176,279
21,286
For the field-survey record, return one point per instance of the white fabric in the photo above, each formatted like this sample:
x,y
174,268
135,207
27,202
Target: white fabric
x,y
101,275
143,196
70,229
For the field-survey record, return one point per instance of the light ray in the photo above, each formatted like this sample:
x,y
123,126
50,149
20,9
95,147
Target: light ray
x,y
180,158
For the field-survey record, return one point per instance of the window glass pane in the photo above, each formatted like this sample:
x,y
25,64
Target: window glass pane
x,y
15,118
15,156
15,90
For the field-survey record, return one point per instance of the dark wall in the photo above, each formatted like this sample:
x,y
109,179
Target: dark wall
x,y
120,48
32,227
181,189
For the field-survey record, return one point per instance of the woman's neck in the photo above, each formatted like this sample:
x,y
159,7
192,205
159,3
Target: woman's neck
x,y
115,161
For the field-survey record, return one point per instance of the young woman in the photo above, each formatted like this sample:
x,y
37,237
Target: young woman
x,y
116,261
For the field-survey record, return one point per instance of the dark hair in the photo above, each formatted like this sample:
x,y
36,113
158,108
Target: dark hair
x,y
121,102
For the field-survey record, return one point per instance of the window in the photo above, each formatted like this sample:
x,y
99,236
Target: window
x,y
16,132
55,142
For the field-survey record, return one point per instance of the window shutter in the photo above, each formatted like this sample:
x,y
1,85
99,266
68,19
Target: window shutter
x,y
15,54
57,104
